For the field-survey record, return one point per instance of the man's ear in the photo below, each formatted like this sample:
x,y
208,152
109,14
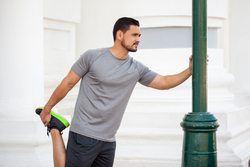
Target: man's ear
x,y
119,35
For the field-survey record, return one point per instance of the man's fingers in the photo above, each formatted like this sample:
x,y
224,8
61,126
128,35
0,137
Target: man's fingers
x,y
45,119
191,57
45,123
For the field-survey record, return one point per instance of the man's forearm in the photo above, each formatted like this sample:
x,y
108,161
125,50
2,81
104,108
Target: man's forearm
x,y
59,93
169,81
177,79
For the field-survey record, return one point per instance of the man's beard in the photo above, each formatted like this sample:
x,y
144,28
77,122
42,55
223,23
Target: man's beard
x,y
129,48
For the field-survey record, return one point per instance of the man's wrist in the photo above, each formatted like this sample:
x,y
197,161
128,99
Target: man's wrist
x,y
47,109
190,71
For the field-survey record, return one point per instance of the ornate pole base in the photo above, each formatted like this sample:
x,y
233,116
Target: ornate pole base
x,y
199,142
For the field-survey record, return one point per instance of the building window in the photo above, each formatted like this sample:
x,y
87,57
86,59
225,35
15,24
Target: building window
x,y
173,37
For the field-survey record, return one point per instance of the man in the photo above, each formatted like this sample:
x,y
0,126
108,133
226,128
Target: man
x,y
108,77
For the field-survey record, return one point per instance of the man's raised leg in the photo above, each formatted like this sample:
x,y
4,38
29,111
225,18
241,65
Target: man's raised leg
x,y
55,127
59,152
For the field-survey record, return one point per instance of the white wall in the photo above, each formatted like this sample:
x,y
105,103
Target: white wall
x,y
97,20
60,19
239,50
150,134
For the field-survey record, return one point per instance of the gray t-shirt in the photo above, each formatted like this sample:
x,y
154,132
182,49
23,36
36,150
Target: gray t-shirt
x,y
106,85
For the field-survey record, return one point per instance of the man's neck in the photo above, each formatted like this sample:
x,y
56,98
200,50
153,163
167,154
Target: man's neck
x,y
119,52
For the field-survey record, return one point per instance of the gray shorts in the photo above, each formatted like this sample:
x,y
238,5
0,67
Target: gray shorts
x,y
83,151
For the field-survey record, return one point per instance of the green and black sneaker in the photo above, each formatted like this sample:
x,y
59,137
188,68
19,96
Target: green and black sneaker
x,y
56,121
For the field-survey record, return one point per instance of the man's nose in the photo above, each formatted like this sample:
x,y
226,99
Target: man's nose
x,y
138,39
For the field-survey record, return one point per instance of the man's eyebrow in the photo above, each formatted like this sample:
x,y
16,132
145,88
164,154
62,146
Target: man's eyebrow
x,y
137,34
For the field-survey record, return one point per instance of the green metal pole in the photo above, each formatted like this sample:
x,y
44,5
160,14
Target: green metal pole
x,y
199,77
199,126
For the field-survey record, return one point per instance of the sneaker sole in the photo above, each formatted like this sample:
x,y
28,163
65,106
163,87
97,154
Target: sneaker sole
x,y
59,117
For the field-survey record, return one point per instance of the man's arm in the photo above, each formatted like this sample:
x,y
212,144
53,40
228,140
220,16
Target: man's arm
x,y
60,92
170,81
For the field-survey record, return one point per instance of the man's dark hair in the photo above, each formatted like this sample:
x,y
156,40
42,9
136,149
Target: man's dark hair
x,y
124,24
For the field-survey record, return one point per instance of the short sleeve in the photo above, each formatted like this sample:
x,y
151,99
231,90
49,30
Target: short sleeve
x,y
146,76
81,66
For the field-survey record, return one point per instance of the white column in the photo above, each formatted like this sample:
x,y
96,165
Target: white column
x,y
21,65
23,141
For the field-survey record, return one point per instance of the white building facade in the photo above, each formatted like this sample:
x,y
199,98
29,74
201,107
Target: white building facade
x,y
40,40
